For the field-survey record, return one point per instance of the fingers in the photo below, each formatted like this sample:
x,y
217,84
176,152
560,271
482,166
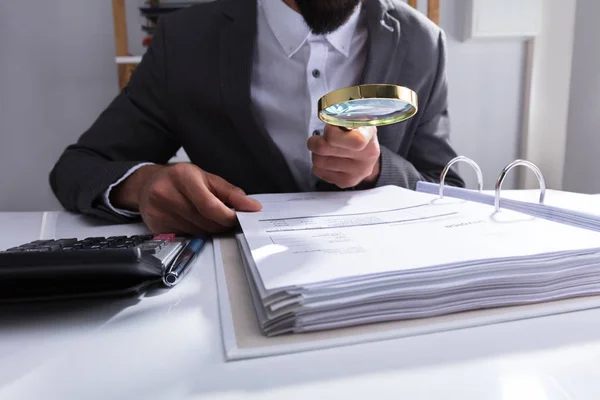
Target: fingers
x,y
186,214
355,140
320,146
232,195
338,164
183,198
193,185
345,158
343,172
159,220
168,210
210,206
340,179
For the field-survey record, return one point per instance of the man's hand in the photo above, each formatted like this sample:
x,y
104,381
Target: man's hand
x,y
346,158
182,199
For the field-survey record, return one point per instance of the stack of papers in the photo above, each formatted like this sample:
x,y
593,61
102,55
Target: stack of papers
x,y
319,261
586,216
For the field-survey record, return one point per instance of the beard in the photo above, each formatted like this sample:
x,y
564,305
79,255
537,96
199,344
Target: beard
x,y
326,16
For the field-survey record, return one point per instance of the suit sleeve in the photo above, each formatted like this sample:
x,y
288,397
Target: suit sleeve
x,y
431,149
134,128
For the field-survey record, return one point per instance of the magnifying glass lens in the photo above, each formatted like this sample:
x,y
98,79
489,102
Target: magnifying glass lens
x,y
372,111
363,105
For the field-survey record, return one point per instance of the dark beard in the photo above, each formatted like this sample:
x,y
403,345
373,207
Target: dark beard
x,y
325,16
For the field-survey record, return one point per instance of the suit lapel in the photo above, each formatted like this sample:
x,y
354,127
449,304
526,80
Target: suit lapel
x,y
386,53
236,50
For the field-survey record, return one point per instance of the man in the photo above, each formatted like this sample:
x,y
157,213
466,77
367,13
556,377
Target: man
x,y
236,84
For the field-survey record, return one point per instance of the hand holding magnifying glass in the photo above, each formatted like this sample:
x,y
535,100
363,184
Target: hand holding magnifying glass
x,y
348,154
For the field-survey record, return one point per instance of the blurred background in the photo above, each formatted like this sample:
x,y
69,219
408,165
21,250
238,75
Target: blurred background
x,y
524,80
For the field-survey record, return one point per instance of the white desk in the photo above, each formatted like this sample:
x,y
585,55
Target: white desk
x,y
168,346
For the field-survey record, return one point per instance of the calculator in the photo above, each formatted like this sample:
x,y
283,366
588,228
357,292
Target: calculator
x,y
93,266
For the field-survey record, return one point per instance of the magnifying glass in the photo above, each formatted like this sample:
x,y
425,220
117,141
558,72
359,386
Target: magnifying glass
x,y
367,105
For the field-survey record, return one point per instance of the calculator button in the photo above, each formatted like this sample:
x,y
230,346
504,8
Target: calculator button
x,y
152,246
39,242
65,242
50,247
116,238
169,237
92,241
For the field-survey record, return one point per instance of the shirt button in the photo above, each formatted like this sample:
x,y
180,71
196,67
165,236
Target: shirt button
x,y
316,132
316,73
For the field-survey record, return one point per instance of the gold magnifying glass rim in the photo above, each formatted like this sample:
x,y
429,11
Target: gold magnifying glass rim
x,y
368,91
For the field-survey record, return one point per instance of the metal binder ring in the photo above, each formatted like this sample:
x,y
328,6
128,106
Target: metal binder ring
x,y
468,161
510,166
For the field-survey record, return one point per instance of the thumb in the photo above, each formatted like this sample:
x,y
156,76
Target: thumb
x,y
232,195
368,132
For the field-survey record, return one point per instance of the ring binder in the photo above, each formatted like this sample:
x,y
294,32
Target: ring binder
x,y
525,163
468,161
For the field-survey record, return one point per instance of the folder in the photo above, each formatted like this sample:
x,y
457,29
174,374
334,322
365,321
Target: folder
x,y
243,338
322,269
583,213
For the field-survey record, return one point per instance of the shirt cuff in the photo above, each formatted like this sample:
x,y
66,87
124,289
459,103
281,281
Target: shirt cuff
x,y
106,194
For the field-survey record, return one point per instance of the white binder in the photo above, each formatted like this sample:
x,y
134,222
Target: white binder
x,y
572,209
243,337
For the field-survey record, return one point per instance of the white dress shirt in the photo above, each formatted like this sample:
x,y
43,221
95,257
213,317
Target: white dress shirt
x,y
292,68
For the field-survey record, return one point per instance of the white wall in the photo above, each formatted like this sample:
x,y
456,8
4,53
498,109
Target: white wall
x,y
547,92
57,74
582,161
486,96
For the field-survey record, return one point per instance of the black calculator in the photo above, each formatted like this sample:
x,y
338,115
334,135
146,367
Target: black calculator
x,y
93,266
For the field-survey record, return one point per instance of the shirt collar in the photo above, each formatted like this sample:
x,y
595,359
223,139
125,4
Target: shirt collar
x,y
291,31
341,39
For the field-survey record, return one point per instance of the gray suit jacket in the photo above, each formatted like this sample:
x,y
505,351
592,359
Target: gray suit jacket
x,y
192,89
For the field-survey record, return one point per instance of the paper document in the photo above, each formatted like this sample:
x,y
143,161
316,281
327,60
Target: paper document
x,y
244,338
574,209
320,260
388,229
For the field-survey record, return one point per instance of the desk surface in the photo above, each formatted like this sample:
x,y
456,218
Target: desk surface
x,y
167,345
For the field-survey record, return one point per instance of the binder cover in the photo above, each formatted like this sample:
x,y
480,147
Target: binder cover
x,y
243,339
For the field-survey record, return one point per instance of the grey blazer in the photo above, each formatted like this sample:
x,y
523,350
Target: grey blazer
x,y
192,89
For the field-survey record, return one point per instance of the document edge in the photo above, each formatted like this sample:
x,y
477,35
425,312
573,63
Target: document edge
x,y
233,352
227,328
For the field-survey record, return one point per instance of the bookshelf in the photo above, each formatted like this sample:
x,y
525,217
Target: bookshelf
x,y
152,9
126,62
121,47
